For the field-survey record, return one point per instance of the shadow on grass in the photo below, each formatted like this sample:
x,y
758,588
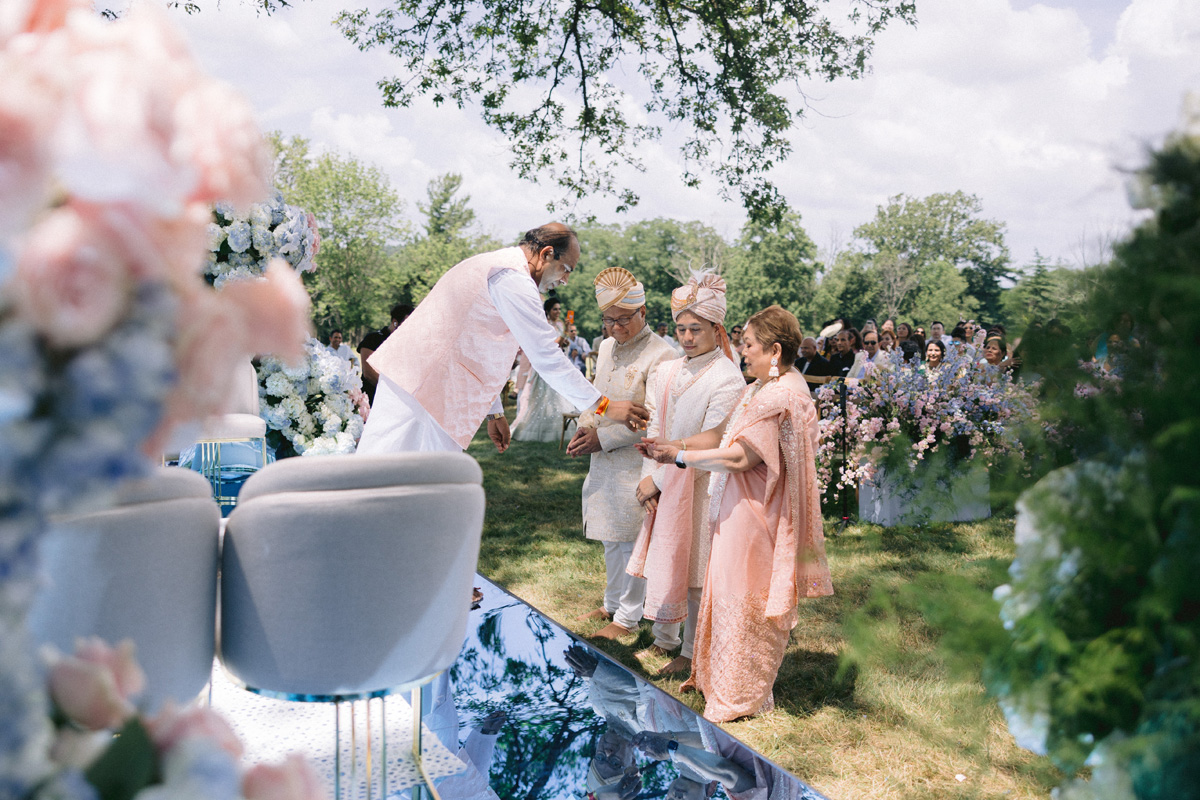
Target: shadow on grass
x,y
809,681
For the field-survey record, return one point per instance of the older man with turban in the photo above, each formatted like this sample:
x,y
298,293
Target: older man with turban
x,y
442,370
611,512
685,396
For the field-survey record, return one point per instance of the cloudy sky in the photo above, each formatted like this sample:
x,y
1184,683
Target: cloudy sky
x,y
1038,108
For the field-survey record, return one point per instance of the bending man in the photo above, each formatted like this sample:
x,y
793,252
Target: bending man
x,y
442,371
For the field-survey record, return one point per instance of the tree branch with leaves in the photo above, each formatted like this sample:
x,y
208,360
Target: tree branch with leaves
x,y
555,78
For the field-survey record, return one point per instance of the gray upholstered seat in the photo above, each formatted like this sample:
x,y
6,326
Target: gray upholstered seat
x,y
145,569
347,576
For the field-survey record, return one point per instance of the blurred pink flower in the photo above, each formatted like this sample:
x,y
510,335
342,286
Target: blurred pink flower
x,y
35,16
218,137
171,726
71,281
28,113
294,779
120,660
274,310
86,693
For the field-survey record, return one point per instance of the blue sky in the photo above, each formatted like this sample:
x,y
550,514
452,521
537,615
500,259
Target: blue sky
x,y
1040,109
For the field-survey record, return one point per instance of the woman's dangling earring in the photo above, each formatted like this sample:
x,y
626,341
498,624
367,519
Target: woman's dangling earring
x,y
774,371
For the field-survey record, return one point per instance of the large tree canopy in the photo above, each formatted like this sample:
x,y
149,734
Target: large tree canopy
x,y
555,77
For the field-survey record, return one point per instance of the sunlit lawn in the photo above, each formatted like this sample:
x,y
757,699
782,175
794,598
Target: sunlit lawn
x,y
907,730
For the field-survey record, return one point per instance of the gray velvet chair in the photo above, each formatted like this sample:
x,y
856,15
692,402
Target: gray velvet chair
x,y
349,577
144,569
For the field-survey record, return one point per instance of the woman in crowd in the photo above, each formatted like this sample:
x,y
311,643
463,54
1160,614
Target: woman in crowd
x,y
995,350
768,547
540,408
935,355
903,331
887,341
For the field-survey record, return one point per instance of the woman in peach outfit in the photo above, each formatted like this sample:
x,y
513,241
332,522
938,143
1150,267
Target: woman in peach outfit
x,y
768,547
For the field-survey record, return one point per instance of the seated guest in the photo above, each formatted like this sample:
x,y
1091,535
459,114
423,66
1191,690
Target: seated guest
x,y
912,354
338,347
871,356
371,342
935,355
995,352
811,363
847,354
960,342
577,348
903,331
887,341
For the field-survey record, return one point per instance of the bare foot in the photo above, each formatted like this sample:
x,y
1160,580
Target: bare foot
x,y
678,665
599,613
612,631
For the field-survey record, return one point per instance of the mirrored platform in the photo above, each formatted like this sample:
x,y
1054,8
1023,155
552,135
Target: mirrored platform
x,y
569,721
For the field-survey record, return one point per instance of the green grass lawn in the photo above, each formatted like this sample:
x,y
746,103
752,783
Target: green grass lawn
x,y
908,727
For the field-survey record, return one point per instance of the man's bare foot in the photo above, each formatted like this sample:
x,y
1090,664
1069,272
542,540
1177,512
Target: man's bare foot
x,y
653,651
678,665
612,631
599,613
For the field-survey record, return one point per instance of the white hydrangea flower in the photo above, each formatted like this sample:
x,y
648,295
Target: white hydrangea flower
x,y
280,385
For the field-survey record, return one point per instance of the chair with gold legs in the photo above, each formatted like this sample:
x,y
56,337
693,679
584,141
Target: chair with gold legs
x,y
348,578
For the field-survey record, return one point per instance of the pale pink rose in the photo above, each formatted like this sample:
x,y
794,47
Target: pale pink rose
x,y
209,345
171,726
87,694
170,249
71,282
294,779
28,113
35,16
218,137
274,311
120,660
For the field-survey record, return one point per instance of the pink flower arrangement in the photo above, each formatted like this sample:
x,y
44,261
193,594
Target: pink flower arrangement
x,y
294,779
114,146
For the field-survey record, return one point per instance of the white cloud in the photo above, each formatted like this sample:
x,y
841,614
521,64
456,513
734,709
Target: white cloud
x,y
1029,108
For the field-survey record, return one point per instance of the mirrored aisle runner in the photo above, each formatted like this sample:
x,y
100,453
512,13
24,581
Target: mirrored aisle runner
x,y
554,703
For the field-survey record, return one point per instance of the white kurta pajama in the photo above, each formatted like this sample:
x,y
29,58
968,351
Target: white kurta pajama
x,y
611,512
702,392
398,422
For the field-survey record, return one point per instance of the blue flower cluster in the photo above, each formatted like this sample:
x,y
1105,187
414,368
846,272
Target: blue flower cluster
x,y
71,427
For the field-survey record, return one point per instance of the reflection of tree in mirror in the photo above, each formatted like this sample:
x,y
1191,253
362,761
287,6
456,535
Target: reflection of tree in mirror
x,y
544,749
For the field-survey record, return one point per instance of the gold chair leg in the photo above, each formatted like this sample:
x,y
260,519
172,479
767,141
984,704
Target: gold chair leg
x,y
416,704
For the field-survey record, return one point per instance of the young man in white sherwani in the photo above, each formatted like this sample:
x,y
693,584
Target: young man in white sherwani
x,y
611,512
442,371
686,396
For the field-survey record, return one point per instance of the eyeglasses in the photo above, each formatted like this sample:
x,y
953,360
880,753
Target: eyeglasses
x,y
869,342
622,321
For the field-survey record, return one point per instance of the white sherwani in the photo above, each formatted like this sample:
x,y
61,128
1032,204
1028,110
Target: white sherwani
x,y
611,512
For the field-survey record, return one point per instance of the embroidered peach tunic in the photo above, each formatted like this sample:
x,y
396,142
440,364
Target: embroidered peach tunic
x,y
768,551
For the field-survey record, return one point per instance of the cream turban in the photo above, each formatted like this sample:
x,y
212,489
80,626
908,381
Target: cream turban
x,y
617,287
703,295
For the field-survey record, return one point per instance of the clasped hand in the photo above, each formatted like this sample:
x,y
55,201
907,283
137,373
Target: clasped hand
x,y
659,448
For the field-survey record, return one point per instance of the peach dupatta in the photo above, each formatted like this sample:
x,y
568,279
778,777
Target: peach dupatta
x,y
665,540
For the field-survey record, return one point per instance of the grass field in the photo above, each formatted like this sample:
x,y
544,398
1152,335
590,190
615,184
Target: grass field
x,y
907,727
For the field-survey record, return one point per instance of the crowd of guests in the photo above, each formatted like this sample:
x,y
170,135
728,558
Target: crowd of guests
x,y
843,351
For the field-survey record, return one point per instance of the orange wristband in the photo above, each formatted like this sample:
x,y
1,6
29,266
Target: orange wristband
x,y
602,406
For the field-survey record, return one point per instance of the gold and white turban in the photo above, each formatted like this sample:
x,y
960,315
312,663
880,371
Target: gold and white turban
x,y
703,295
617,287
